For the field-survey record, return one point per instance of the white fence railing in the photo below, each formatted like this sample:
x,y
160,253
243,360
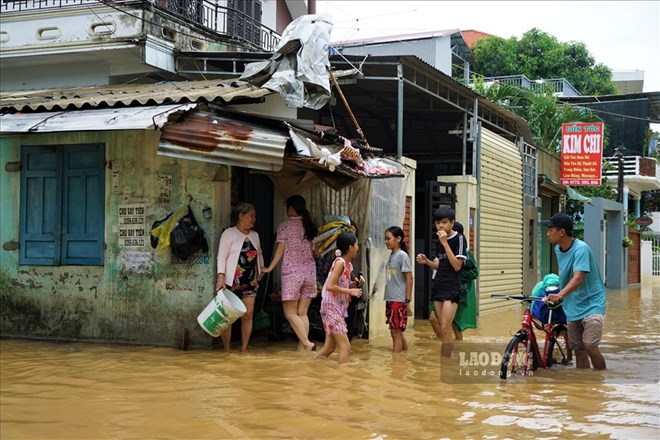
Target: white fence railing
x,y
655,240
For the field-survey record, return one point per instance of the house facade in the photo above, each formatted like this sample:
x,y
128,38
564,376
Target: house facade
x,y
102,279
82,189
88,170
92,43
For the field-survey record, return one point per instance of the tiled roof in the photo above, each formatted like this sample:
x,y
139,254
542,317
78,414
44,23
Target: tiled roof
x,y
472,36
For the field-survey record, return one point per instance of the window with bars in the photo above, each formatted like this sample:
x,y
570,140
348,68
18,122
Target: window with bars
x,y
244,20
530,189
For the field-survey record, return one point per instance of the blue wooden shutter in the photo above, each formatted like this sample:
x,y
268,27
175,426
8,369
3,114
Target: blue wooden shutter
x,y
83,189
40,212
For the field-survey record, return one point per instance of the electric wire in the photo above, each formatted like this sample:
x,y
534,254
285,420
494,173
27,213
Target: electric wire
x,y
108,4
404,42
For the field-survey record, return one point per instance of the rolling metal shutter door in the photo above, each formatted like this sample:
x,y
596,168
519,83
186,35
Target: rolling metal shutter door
x,y
500,221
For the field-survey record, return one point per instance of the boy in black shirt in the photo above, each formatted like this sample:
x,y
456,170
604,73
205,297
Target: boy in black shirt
x,y
448,262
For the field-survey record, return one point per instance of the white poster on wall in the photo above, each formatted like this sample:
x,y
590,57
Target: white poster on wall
x,y
132,226
137,261
164,185
115,181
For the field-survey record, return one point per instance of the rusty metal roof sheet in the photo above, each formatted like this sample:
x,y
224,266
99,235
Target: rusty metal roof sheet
x,y
204,136
128,95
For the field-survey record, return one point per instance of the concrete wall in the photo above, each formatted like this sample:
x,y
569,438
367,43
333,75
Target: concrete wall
x,y
466,199
138,295
97,45
655,226
434,51
646,260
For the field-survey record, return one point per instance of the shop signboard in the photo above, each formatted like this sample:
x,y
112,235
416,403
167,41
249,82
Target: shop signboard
x,y
581,153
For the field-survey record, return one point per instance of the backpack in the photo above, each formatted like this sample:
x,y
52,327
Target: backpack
x,y
541,310
469,272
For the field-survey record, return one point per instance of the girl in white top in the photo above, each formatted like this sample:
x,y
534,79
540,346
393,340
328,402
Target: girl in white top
x,y
398,289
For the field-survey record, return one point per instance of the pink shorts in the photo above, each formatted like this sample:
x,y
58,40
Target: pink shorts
x,y
333,321
298,285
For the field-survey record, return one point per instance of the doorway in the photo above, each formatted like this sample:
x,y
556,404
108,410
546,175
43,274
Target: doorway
x,y
432,196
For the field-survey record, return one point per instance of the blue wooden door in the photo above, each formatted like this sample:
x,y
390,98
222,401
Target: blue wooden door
x,y
62,205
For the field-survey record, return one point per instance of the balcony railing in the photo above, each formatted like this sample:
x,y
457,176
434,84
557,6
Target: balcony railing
x,y
558,86
634,166
220,19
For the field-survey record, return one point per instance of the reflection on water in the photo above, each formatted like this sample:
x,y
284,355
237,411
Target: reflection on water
x,y
88,391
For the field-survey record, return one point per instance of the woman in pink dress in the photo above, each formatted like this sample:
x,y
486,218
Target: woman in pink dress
x,y
337,292
295,250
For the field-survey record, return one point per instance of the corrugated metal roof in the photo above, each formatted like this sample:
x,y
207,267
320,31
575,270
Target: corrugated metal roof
x,y
131,95
128,95
207,137
132,118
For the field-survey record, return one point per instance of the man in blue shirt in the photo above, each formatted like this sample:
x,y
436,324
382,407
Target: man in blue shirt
x,y
582,291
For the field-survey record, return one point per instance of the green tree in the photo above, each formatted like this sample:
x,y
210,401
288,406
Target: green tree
x,y
649,136
543,113
539,55
651,201
545,117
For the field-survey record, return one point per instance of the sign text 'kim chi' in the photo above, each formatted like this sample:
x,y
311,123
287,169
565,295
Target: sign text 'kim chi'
x,y
581,153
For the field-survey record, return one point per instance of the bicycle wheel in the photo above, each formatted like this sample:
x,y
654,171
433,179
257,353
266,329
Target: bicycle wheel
x,y
558,351
519,358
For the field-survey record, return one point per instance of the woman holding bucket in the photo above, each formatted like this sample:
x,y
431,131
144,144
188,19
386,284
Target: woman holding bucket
x,y
295,249
240,260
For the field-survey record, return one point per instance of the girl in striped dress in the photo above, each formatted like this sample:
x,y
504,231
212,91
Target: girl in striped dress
x,y
336,296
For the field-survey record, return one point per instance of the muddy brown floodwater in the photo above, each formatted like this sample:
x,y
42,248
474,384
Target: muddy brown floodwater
x,y
87,391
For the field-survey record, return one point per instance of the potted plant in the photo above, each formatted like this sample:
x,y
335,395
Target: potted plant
x,y
627,242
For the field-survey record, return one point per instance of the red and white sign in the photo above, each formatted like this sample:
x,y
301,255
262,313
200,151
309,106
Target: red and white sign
x,y
581,153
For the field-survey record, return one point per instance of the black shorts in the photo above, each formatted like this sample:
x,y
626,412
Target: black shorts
x,y
445,295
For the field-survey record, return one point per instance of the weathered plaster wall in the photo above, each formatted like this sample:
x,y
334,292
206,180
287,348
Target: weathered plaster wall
x,y
379,254
138,295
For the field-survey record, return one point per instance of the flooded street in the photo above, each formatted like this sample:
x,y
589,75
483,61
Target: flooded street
x,y
85,391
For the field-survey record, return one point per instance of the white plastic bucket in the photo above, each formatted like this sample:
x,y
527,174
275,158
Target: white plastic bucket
x,y
221,312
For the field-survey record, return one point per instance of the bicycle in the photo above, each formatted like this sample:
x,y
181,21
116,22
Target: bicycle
x,y
522,354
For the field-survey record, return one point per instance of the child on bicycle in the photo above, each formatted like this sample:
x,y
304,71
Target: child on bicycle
x,y
448,262
336,295
541,309
398,289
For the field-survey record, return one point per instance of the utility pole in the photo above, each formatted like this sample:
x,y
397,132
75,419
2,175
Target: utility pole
x,y
619,181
